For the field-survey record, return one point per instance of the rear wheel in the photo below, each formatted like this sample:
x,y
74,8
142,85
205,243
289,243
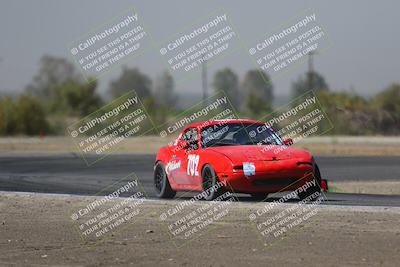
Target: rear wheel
x,y
259,196
313,190
211,188
161,183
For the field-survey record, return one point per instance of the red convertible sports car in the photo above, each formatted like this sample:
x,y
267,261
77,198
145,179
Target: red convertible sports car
x,y
242,156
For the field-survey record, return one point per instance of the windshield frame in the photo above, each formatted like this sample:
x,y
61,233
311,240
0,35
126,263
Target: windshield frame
x,y
277,138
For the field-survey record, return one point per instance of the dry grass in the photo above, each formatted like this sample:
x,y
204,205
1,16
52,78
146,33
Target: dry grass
x,y
346,146
366,187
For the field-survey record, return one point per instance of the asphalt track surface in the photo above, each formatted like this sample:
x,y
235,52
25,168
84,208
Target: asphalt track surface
x,y
69,174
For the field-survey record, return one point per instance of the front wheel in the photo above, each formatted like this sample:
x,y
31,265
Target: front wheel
x,y
161,182
211,187
313,190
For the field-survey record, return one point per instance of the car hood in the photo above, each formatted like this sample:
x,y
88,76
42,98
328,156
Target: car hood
x,y
238,154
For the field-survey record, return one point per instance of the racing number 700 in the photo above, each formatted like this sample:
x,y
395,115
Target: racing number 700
x,y
193,163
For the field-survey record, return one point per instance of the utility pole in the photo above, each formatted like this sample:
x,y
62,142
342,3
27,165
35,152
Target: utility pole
x,y
204,81
311,70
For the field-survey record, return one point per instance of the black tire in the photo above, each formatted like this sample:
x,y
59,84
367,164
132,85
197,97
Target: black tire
x,y
314,189
161,182
259,196
209,181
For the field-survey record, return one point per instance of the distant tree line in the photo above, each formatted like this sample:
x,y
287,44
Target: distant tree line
x,y
57,96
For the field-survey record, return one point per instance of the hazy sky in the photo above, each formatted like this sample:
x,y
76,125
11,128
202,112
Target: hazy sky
x,y
364,37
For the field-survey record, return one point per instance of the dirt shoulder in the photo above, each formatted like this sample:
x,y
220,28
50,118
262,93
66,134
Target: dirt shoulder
x,y
37,229
326,145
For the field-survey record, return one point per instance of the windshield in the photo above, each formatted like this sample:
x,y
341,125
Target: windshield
x,y
236,134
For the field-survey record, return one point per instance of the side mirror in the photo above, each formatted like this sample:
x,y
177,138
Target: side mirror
x,y
288,141
182,144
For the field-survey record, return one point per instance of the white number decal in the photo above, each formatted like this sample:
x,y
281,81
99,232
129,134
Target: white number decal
x,y
193,163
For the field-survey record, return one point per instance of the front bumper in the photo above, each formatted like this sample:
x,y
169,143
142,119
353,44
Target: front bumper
x,y
269,177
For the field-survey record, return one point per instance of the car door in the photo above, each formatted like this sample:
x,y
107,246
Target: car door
x,y
189,158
